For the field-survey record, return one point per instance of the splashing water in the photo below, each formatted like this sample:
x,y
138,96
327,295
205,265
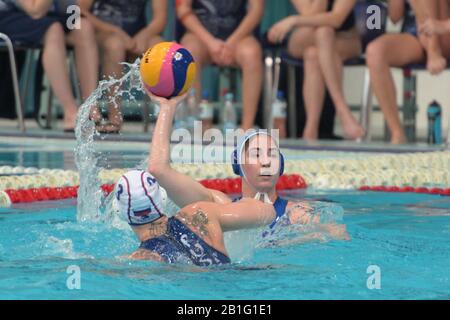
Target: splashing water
x,y
112,93
284,233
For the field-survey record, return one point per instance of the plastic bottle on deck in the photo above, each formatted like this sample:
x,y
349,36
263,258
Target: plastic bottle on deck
x,y
434,112
229,117
279,114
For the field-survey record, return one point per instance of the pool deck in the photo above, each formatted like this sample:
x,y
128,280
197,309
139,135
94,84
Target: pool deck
x,y
135,138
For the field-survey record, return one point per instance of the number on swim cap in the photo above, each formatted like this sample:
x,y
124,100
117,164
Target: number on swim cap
x,y
151,181
119,191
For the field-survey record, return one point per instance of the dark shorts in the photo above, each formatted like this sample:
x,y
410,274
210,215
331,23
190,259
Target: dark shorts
x,y
24,30
133,28
180,245
409,25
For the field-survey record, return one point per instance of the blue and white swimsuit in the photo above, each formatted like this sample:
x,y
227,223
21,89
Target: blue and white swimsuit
x,y
181,245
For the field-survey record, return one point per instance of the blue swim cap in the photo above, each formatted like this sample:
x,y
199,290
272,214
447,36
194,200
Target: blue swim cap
x,y
236,156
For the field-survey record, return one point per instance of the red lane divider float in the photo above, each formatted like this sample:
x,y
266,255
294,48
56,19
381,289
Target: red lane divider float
x,y
435,191
228,186
234,185
41,194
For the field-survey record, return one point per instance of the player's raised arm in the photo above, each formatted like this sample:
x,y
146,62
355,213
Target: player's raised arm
x,y
182,189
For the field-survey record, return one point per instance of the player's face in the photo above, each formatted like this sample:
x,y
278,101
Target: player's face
x,y
262,163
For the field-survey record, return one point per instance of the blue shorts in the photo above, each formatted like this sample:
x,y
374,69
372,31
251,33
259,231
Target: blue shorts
x,y
24,30
410,25
133,28
180,245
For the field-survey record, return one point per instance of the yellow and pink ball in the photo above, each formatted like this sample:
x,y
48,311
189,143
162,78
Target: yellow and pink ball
x,y
168,70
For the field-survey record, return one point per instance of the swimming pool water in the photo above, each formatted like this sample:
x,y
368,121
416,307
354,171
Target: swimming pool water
x,y
406,235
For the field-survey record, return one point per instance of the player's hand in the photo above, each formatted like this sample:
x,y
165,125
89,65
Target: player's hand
x,y
164,102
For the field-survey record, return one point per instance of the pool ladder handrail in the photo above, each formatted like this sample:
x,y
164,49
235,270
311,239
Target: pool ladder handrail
x,y
15,81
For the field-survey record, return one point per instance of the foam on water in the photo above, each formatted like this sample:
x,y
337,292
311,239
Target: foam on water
x,y
52,246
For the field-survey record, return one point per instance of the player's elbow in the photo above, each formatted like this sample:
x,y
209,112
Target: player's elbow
x,y
156,170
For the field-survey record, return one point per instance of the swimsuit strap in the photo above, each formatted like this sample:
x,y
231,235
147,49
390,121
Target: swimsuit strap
x,y
280,209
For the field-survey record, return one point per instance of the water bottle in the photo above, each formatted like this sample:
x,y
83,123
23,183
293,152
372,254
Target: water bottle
x,y
206,112
279,114
192,109
434,112
229,117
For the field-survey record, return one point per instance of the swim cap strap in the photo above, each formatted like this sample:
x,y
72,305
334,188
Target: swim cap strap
x,y
265,197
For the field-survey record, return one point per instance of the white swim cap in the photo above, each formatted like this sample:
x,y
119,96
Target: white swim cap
x,y
140,198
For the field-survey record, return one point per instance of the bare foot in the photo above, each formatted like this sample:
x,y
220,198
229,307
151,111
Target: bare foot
x,y
310,134
398,139
352,129
69,121
436,63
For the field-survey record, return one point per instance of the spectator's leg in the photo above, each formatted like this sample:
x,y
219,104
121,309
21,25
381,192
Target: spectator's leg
x,y
148,44
55,66
301,39
301,45
331,63
444,9
248,56
154,40
393,50
313,93
444,14
114,52
201,56
86,55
